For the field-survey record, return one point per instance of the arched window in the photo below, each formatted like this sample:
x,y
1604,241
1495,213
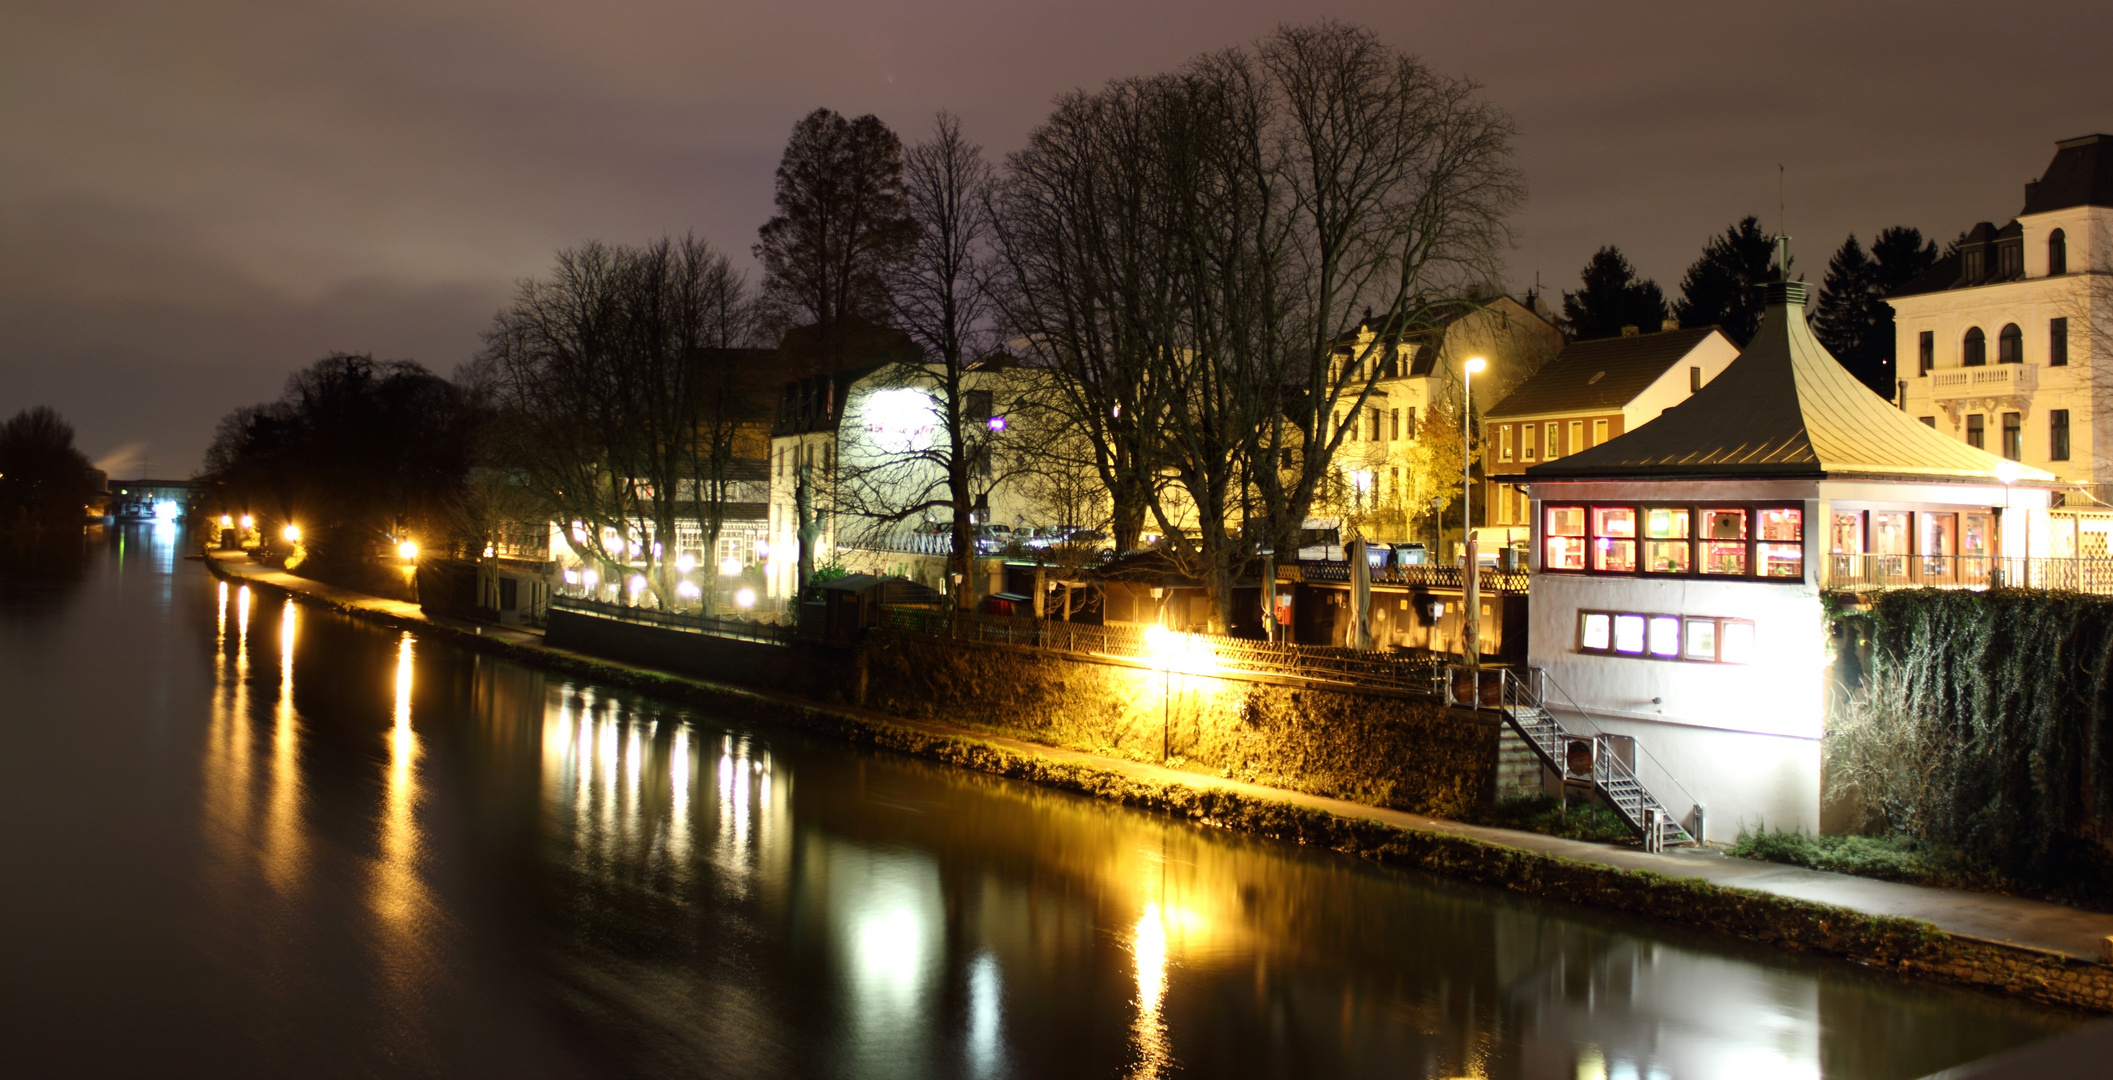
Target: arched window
x,y
1975,353
2010,345
2057,253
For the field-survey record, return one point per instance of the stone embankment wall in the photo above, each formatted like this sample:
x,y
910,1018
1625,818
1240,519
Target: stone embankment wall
x,y
1400,751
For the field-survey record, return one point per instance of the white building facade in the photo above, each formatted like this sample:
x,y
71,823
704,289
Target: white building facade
x,y
2004,344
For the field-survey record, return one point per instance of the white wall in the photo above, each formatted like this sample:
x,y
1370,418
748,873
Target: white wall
x,y
1712,354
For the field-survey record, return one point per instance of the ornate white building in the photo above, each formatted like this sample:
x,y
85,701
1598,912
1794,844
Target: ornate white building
x,y
2007,343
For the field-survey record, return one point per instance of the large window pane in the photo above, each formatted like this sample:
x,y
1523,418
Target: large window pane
x,y
1701,639
1665,635
1666,523
1724,524
1669,556
1781,560
1565,539
1628,634
1598,631
1782,524
1736,645
1720,557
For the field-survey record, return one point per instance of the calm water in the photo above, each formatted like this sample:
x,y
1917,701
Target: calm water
x,y
242,837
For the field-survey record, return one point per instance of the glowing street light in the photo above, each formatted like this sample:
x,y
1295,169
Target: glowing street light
x,y
745,598
731,567
292,534
408,549
248,523
685,562
227,522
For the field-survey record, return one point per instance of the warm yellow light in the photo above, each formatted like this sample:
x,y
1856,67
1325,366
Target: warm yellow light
x,y
408,549
745,598
1475,364
1159,640
226,522
293,533
638,584
685,562
2008,472
730,567
248,522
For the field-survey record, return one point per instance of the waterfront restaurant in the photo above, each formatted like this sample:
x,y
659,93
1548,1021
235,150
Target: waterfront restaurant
x,y
1678,569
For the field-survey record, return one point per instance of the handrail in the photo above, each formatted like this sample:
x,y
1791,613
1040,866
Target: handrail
x,y
1541,676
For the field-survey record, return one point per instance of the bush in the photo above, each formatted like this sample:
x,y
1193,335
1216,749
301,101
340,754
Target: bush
x,y
1889,858
1580,820
1982,724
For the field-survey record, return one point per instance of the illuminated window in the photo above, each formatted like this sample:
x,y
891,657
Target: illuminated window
x,y
1598,631
1550,448
1667,549
1577,435
1526,442
1614,538
1565,539
1599,432
1701,639
1735,642
1665,635
1504,443
1628,634
1724,542
1781,553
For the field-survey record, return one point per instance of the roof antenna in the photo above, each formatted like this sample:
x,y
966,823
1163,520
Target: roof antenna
x,y
1782,230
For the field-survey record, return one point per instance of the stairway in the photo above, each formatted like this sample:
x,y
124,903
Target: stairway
x,y
1609,776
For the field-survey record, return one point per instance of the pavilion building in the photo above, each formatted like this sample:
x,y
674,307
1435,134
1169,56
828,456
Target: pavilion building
x,y
1678,568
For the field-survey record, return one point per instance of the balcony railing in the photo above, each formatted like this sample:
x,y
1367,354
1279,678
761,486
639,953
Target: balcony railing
x,y
2001,380
2089,574
1444,577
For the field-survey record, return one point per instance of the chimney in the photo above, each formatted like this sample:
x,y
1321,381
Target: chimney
x,y
1630,331
1669,324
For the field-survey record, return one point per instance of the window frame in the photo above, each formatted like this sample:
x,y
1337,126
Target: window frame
x,y
2058,341
1755,546
2010,344
1926,352
1682,644
2057,253
1973,348
2057,434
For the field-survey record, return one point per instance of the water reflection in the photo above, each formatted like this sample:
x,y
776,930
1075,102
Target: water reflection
x,y
398,893
283,836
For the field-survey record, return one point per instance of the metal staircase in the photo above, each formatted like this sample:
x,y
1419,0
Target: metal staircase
x,y
1575,757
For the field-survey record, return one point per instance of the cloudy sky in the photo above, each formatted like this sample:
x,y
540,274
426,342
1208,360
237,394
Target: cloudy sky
x,y
196,199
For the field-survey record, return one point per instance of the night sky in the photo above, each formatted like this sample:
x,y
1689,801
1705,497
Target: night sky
x,y
196,199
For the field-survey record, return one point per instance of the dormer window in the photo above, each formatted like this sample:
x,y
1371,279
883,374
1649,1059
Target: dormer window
x,y
1970,265
2010,345
2010,260
2057,253
1974,352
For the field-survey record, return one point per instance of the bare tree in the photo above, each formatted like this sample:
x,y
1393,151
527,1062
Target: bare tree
x,y
939,298
615,405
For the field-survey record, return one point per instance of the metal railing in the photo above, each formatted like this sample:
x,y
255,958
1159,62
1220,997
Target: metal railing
x,y
1444,577
2090,574
739,629
1193,654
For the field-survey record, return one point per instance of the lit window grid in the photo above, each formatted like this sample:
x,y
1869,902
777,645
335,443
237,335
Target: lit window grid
x,y
1695,639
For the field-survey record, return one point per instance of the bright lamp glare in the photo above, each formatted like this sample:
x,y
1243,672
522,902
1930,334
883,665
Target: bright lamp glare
x,y
591,578
685,562
638,584
248,522
407,549
166,511
292,533
2008,472
226,522
745,598
1475,364
688,590
730,567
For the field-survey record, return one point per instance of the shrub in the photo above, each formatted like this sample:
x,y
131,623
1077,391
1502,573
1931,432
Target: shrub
x,y
1580,820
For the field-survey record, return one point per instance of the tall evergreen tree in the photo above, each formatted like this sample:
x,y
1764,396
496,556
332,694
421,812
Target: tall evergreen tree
x,y
1853,318
1723,288
1852,321
1612,297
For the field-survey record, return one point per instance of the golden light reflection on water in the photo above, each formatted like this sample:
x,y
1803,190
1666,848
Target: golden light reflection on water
x,y
1148,950
397,894
283,837
226,790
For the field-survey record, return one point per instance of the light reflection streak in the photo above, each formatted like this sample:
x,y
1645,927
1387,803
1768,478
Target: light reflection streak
x,y
282,831
679,798
1148,949
226,791
398,896
985,999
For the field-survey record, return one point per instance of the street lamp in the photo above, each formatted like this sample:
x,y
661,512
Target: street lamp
x,y
1471,625
2008,472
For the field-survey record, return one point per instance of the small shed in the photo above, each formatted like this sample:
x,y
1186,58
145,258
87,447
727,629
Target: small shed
x,y
843,609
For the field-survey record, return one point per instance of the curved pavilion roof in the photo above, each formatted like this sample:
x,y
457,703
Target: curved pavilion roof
x,y
1784,408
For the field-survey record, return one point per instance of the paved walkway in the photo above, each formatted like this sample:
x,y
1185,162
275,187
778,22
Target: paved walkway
x,y
2009,919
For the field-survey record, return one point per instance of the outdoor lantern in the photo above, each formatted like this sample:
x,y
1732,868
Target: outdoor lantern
x,y
292,534
408,549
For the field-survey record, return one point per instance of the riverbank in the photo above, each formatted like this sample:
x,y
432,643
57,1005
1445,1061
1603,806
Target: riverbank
x,y
2033,950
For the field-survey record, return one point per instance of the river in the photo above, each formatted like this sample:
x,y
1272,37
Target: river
x,y
246,837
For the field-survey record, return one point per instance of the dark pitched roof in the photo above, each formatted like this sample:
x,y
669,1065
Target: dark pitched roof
x,y
1785,407
2081,174
1603,374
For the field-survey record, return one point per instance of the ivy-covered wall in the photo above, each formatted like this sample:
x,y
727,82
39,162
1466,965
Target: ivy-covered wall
x,y
1981,721
1408,753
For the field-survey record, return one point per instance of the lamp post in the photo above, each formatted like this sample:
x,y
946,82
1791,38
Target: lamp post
x,y
2007,472
1471,619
